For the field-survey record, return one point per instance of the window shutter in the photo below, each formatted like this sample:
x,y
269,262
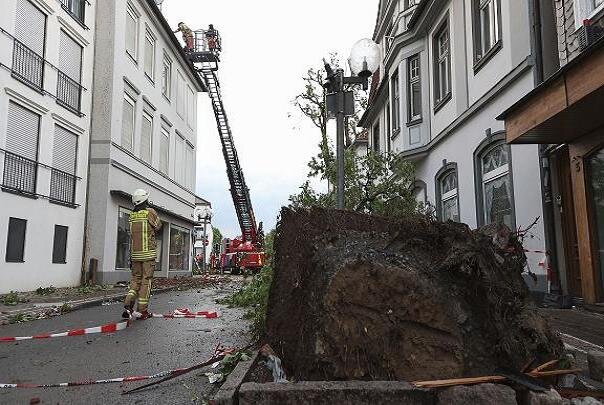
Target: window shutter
x,y
70,57
64,153
127,123
164,151
59,247
149,55
131,34
30,26
146,135
22,131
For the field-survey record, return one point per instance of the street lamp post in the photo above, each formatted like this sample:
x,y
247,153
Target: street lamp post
x,y
363,61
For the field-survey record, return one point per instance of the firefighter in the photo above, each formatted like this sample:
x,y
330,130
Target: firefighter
x,y
187,36
144,224
213,39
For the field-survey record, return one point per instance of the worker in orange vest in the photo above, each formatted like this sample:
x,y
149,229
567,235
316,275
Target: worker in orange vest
x,y
187,36
144,224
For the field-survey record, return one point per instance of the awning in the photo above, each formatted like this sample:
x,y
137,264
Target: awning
x,y
163,210
566,106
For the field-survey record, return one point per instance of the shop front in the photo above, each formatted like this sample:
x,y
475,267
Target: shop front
x,y
566,115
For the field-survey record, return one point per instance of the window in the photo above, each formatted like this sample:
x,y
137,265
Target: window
x,y
122,256
414,89
180,244
442,65
190,107
166,77
585,10
179,160
150,56
396,102
146,137
128,117
69,74
411,3
29,45
180,95
164,150
495,197
59,246
15,241
75,8
486,27
190,159
132,32
447,199
376,138
64,160
21,156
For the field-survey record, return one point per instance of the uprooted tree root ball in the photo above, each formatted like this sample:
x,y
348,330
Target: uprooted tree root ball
x,y
362,297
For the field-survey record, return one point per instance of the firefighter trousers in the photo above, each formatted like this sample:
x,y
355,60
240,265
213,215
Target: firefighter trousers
x,y
140,284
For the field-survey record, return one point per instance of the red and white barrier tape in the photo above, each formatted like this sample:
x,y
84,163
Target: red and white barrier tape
x,y
108,328
92,382
218,351
114,327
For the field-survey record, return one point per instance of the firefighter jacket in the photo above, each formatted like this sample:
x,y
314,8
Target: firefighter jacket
x,y
186,31
143,225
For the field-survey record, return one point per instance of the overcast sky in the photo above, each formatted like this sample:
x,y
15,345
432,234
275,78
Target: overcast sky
x,y
267,47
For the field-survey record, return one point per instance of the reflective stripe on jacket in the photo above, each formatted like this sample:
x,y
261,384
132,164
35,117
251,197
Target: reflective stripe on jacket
x,y
143,225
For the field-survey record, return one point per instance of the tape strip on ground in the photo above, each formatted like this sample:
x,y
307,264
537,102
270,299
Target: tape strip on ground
x,y
113,327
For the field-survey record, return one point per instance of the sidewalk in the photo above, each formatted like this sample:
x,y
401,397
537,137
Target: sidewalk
x,y
48,302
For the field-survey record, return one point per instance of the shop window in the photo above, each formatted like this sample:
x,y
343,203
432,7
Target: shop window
x,y
122,256
180,245
447,198
495,192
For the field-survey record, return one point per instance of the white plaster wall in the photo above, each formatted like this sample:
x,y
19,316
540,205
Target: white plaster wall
x,y
38,269
459,147
515,39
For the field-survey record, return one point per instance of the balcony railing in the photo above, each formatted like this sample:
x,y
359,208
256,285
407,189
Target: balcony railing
x,y
62,187
75,8
28,66
69,92
20,174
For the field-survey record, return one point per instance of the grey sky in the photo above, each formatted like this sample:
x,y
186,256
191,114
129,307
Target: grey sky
x,y
267,47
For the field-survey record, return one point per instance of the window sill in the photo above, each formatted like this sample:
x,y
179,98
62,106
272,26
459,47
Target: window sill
x,y
395,133
29,84
69,108
414,122
19,192
59,262
441,103
479,63
167,98
132,59
63,203
14,261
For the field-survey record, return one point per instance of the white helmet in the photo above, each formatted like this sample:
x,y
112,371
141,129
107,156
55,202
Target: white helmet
x,y
140,196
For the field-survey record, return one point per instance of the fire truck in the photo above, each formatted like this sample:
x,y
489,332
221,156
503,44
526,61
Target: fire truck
x,y
245,252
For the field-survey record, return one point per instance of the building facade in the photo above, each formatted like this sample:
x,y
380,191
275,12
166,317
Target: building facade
x,y
143,135
46,57
564,116
449,68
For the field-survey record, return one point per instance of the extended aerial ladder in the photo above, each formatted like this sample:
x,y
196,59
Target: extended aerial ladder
x,y
245,251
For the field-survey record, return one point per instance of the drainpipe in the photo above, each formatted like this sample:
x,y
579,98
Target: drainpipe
x,y
544,160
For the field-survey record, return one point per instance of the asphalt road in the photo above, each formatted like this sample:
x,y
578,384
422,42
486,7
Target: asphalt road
x,y
147,347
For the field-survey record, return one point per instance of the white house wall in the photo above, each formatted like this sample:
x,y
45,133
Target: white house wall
x,y
37,270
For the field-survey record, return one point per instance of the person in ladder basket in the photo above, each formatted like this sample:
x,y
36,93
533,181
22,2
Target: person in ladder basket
x,y
187,36
144,224
213,39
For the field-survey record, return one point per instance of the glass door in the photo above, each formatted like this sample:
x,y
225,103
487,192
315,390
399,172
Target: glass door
x,y
595,165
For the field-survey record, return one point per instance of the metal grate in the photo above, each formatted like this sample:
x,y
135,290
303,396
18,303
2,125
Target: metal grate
x,y
28,66
69,92
62,187
20,173
75,8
